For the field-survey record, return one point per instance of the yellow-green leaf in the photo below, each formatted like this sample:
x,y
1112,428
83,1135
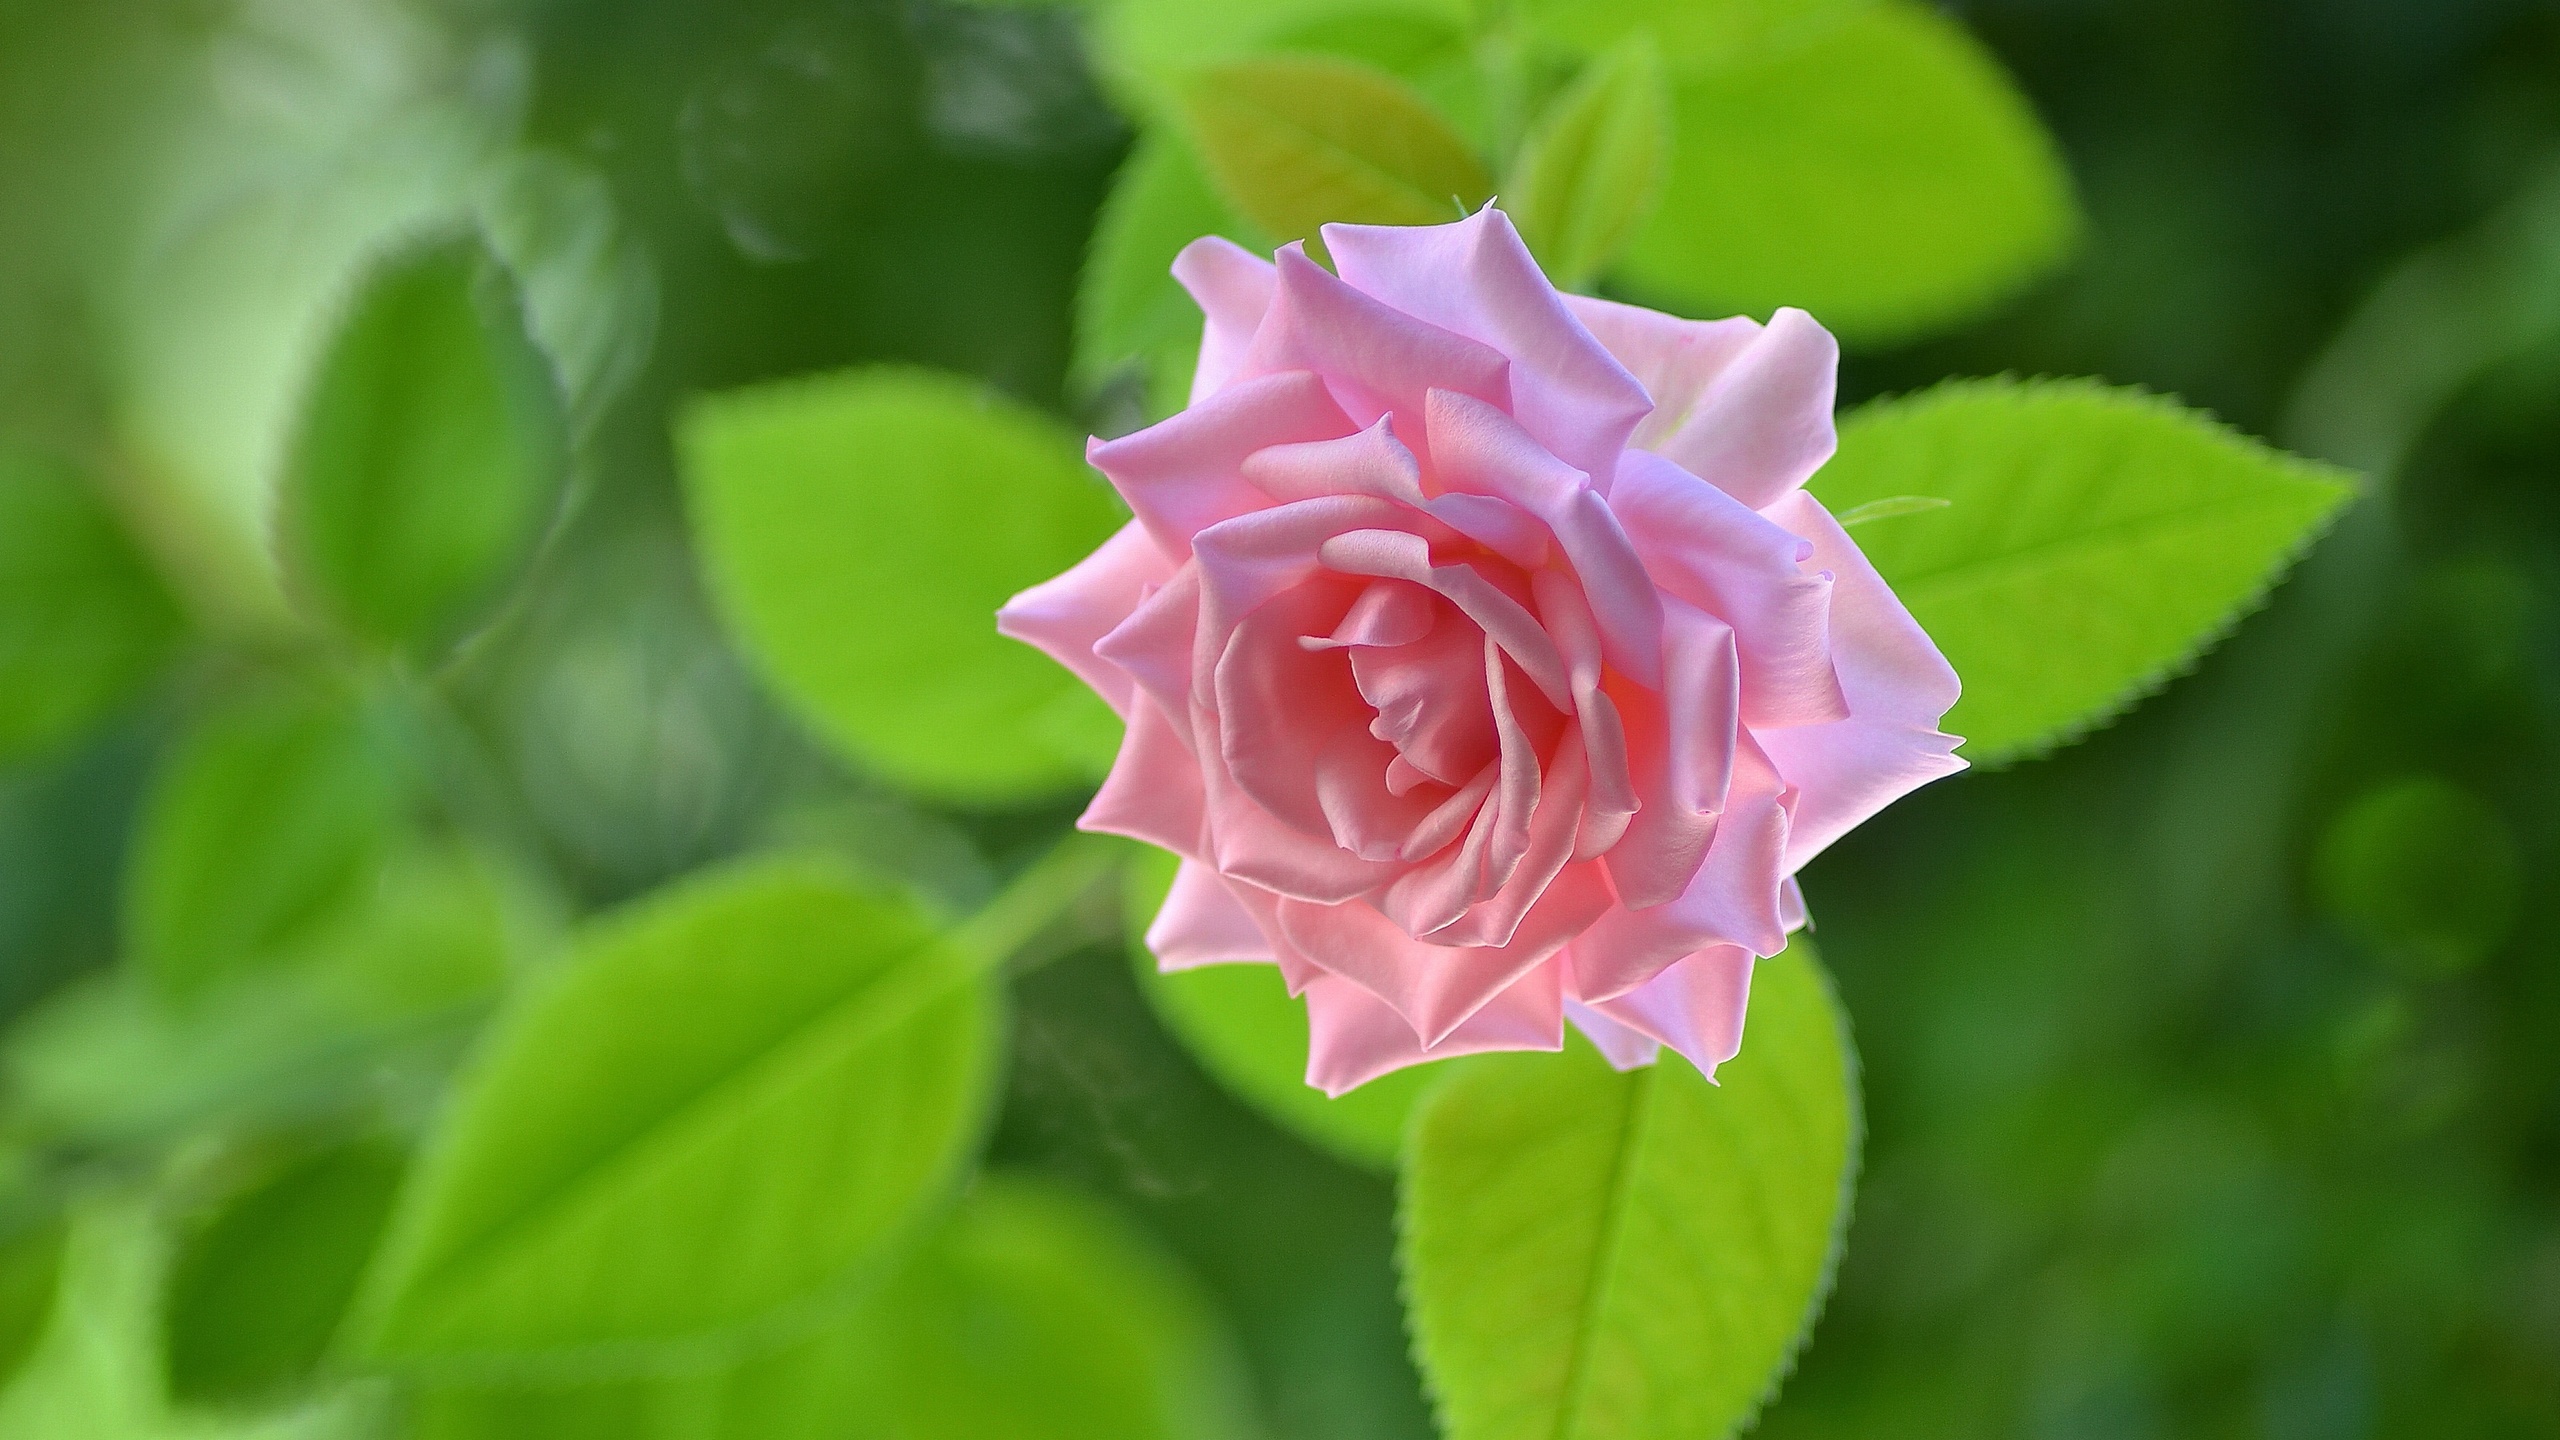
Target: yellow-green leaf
x,y
1299,141
1592,169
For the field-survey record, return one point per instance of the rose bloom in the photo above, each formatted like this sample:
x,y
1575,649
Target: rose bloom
x,y
1482,654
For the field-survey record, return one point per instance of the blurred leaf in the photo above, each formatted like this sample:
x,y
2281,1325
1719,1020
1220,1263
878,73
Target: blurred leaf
x,y
1692,34
95,1373
725,1105
259,824
1591,1255
1881,173
382,988
2098,541
2425,872
1130,312
1298,141
312,137
82,618
860,530
30,1279
1245,1028
256,1291
589,290
1150,47
1032,1312
1586,176
429,456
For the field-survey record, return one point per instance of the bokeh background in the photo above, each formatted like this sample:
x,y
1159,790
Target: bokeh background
x,y
2212,1066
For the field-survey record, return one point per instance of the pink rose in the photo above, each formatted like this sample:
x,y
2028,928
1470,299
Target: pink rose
x,y
1482,654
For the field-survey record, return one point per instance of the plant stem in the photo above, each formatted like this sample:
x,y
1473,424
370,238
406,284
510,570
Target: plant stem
x,y
1045,890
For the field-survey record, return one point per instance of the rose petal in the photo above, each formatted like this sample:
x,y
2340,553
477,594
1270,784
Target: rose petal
x,y
1680,748
1200,923
1623,1048
1370,462
1068,616
1233,288
1674,359
1375,359
1695,1006
1763,425
1154,790
1732,900
1708,549
1476,447
1354,1038
1185,475
1897,687
1477,279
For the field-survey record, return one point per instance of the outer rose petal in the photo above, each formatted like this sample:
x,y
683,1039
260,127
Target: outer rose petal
x,y
1068,616
1476,278
1201,923
1376,359
1897,684
1674,359
1623,1048
1183,476
1153,792
1762,426
1696,1006
1353,1037
1232,286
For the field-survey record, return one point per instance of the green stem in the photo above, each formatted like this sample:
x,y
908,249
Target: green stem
x,y
1047,889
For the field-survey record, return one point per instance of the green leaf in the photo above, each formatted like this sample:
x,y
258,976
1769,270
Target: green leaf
x,y
1591,1255
859,531
724,1106
1150,47
2098,541
590,290
257,1288
1297,141
1245,1028
1692,34
83,621
254,224
430,453
263,822
2427,874
1591,170
1032,1311
1130,312
30,1280
1881,173
374,998
95,1373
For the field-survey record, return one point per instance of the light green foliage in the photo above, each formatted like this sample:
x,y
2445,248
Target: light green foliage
x,y
1597,1256
1879,172
255,222
590,291
2423,871
721,1109
257,1288
1693,34
1245,1028
368,998
260,824
1149,47
429,454
1592,169
1130,313
1031,1312
30,1278
2097,541
1298,141
859,531
82,618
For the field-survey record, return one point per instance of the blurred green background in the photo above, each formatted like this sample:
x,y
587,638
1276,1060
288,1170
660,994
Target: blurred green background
x,y
2212,1067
